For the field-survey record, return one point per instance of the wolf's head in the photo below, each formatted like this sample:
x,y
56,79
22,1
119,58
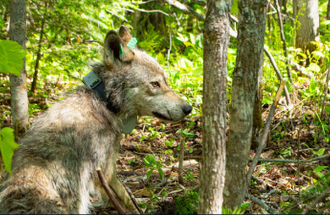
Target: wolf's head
x,y
135,82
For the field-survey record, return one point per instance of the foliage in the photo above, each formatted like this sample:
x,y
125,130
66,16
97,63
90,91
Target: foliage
x,y
151,162
308,195
73,36
7,146
237,210
188,203
11,55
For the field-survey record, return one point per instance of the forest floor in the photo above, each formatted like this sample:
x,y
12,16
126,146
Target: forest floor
x,y
294,135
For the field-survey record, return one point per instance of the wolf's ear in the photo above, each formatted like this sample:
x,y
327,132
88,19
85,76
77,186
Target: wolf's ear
x,y
115,51
124,34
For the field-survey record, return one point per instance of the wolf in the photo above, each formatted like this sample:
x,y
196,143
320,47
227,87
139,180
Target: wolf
x,y
54,169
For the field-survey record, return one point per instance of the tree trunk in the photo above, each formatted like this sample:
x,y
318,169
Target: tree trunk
x,y
250,43
19,99
309,23
257,110
35,75
216,41
328,11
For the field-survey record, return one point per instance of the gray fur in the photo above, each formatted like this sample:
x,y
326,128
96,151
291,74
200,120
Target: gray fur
x,y
54,168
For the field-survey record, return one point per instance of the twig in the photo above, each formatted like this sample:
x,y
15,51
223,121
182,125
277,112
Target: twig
x,y
318,199
150,11
294,161
144,2
272,61
122,18
93,41
299,162
109,192
133,198
263,204
283,39
199,2
185,9
175,191
188,10
262,144
181,157
325,91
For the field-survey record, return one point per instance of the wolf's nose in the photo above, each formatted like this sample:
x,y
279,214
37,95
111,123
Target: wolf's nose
x,y
187,109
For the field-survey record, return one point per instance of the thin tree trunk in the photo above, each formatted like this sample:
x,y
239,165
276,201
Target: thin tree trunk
x,y
19,99
283,39
216,41
250,43
328,11
35,75
284,6
309,23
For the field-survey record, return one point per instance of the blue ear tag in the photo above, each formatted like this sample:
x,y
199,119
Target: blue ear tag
x,y
132,43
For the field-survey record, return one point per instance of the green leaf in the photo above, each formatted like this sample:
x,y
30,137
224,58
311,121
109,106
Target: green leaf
x,y
319,169
7,146
161,173
149,173
149,161
234,7
11,55
185,132
245,205
320,152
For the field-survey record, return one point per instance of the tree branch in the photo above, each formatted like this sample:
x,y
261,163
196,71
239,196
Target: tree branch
x,y
109,192
150,11
272,61
283,39
317,200
185,9
188,10
262,144
294,161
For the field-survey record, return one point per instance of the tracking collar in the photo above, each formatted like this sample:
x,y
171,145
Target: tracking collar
x,y
92,81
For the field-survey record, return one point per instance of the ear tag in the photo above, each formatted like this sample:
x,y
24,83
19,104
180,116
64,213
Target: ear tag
x,y
132,43
120,50
129,124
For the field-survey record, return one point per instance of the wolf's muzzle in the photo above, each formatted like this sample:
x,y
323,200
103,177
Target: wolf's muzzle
x,y
186,109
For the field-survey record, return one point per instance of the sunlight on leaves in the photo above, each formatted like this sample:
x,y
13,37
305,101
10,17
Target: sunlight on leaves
x,y
11,55
7,146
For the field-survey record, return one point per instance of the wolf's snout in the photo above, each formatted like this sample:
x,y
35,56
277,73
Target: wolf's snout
x,y
186,109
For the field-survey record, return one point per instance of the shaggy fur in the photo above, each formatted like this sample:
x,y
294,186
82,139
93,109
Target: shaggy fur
x,y
54,168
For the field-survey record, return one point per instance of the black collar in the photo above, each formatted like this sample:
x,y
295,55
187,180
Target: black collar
x,y
92,81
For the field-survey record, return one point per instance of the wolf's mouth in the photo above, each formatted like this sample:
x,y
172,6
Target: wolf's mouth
x,y
159,115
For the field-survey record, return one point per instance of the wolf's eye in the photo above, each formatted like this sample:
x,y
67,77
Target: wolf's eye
x,y
155,84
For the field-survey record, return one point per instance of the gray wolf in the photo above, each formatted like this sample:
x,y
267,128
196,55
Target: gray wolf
x,y
54,168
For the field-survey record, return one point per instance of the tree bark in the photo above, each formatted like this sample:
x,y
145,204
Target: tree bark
x,y
250,43
19,99
257,110
216,41
309,23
